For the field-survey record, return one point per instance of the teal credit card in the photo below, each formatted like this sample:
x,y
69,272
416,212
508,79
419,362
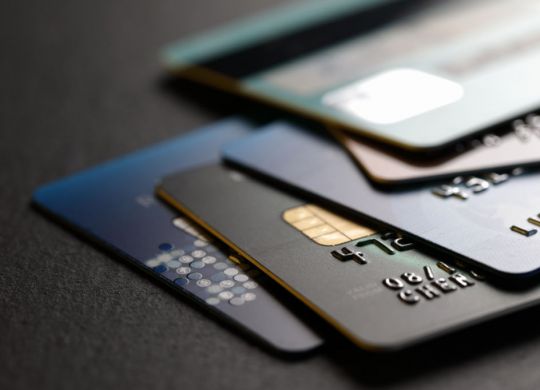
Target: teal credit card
x,y
416,74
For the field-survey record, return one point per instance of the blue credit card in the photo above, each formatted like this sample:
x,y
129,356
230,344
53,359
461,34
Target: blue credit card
x,y
114,204
489,220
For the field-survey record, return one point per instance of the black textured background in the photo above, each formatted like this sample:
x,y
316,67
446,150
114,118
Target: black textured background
x,y
80,83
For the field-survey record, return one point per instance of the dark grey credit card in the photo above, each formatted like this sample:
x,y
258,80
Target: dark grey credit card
x,y
379,290
488,220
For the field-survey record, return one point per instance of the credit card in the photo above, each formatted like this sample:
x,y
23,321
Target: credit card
x,y
498,150
416,74
489,220
378,288
114,205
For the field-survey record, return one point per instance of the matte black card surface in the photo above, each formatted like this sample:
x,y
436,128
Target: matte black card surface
x,y
489,220
114,204
378,289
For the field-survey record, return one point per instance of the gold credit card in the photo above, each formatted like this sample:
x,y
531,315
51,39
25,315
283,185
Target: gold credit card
x,y
519,147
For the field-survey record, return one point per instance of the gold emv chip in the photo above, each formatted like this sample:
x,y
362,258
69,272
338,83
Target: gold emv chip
x,y
323,226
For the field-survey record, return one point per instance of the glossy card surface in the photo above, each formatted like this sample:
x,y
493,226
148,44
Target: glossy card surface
x,y
518,147
416,74
376,288
490,221
114,204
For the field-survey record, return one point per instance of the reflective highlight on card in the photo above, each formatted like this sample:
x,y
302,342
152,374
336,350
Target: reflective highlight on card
x,y
394,96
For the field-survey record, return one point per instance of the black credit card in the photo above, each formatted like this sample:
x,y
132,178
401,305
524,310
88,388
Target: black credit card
x,y
379,289
490,220
114,205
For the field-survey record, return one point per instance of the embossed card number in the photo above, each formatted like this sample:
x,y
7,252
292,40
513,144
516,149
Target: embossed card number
x,y
463,187
411,287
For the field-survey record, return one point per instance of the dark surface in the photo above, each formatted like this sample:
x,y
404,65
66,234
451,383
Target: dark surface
x,y
80,83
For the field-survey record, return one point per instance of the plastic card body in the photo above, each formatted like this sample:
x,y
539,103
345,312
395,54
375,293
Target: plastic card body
x,y
517,144
377,288
114,204
489,220
419,75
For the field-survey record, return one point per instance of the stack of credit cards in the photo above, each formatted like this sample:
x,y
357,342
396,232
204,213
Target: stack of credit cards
x,y
406,207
